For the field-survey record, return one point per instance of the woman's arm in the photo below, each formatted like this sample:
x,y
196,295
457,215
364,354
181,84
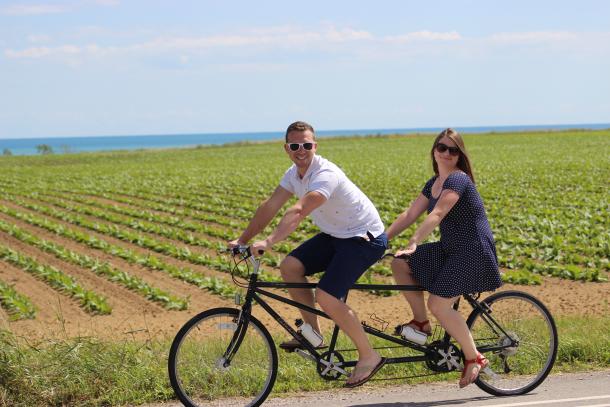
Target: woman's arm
x,y
445,202
408,217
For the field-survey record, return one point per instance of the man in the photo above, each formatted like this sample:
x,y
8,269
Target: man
x,y
352,238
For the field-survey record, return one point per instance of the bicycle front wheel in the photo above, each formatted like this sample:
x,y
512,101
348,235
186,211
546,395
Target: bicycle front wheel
x,y
212,357
521,341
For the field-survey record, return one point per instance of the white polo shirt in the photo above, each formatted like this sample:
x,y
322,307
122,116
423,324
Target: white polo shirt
x,y
347,212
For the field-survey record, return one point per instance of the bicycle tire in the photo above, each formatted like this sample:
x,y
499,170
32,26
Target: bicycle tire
x,y
197,369
519,369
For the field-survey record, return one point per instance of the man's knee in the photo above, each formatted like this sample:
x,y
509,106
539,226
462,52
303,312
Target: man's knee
x,y
325,299
291,267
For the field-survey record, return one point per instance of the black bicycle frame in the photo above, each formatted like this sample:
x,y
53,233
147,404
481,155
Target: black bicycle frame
x,y
255,293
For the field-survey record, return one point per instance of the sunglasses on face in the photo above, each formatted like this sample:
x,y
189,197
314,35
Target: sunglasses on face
x,y
441,148
298,146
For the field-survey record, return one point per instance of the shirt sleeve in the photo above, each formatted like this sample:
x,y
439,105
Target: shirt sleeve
x,y
458,181
324,182
285,181
427,190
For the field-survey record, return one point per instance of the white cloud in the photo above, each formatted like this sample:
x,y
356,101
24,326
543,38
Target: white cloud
x,y
280,36
38,38
534,37
107,2
424,36
272,37
40,9
32,9
40,52
347,40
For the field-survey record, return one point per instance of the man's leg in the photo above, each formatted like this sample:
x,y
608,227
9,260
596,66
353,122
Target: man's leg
x,y
352,258
349,323
293,271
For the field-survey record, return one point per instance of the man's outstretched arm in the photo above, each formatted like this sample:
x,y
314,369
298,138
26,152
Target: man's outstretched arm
x,y
291,220
264,214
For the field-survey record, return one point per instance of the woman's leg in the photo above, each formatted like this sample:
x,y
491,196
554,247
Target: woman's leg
x,y
455,325
403,276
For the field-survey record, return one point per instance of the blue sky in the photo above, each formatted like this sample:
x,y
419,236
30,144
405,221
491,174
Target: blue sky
x,y
118,67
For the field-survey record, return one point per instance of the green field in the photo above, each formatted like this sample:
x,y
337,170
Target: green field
x,y
546,195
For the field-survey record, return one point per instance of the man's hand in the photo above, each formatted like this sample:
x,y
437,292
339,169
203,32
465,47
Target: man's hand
x,y
258,248
235,243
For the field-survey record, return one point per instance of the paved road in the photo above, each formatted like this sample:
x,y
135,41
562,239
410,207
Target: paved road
x,y
566,390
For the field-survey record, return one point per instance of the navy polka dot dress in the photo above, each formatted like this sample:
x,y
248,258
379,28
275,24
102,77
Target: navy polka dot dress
x,y
464,261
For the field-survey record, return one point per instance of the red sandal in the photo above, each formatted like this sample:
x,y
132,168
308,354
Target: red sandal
x,y
420,327
481,361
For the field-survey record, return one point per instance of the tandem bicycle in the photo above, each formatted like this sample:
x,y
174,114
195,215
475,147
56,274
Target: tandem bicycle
x,y
229,348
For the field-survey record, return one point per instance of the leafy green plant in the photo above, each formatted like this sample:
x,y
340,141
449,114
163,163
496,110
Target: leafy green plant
x,y
17,305
89,300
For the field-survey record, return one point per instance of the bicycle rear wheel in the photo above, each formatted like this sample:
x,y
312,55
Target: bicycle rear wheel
x,y
198,367
524,338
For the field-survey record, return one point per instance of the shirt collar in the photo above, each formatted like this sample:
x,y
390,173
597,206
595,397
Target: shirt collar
x,y
315,164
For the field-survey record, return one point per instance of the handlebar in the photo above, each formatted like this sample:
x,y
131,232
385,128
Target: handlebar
x,y
239,249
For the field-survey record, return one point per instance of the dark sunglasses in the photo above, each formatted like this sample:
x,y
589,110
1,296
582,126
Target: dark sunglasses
x,y
297,146
441,148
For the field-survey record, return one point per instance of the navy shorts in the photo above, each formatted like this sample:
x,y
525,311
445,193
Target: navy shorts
x,y
344,260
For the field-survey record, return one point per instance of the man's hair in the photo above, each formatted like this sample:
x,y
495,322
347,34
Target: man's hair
x,y
300,126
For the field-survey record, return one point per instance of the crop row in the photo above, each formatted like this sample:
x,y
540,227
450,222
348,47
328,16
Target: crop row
x,y
513,276
176,231
223,214
179,253
17,305
520,269
184,254
214,285
105,269
537,246
219,264
89,300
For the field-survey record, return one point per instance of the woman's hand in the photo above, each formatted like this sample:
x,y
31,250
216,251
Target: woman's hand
x,y
409,250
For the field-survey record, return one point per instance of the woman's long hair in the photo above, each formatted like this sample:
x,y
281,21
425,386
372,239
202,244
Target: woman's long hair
x,y
463,160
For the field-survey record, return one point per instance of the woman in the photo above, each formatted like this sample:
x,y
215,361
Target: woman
x,y
464,261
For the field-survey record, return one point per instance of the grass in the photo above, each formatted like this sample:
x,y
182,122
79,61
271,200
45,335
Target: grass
x,y
91,372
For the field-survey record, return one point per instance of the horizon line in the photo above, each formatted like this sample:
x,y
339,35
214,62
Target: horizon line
x,y
372,130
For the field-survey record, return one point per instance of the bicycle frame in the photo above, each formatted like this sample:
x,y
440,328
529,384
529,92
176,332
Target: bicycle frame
x,y
256,293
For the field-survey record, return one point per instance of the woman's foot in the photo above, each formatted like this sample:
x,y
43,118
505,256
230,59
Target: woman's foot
x,y
472,368
365,369
419,326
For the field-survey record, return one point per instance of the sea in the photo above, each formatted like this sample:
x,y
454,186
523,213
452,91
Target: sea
x,y
28,146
